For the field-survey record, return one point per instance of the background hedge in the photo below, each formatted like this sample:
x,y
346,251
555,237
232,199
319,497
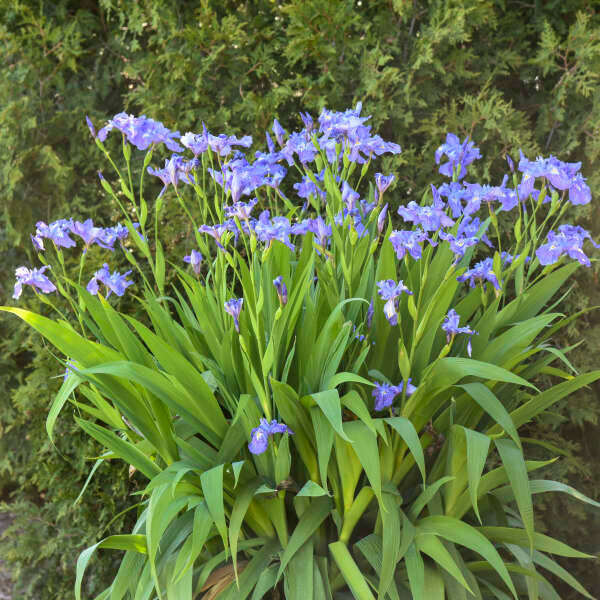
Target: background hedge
x,y
512,74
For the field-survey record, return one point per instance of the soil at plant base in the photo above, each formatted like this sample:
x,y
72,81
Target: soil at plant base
x,y
5,581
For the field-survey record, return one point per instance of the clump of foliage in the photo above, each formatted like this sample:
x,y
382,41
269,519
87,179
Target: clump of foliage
x,y
527,78
322,398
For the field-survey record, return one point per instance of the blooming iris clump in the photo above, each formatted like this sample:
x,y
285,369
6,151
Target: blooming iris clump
x,y
569,240
459,154
259,437
390,291
450,326
384,393
114,282
234,308
194,259
141,132
33,277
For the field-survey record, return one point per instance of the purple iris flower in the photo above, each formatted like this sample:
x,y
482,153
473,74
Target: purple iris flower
x,y
141,132
195,259
176,169
268,229
390,291
482,271
281,288
349,196
223,144
321,230
579,192
90,234
259,440
241,210
384,393
409,241
511,164
382,182
196,142
454,193
38,242
33,277
459,154
450,326
215,231
309,124
430,218
299,143
381,219
114,282
90,126
117,232
569,240
58,232
306,188
467,235
278,132
234,308
370,314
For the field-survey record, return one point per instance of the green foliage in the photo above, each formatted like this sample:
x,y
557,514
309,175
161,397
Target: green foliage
x,y
511,74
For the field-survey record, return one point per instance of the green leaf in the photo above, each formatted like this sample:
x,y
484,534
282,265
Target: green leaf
x,y
426,496
212,488
390,517
478,446
366,448
312,489
298,584
462,533
350,571
435,549
309,522
415,568
493,407
329,403
238,512
133,542
66,389
122,448
410,436
514,463
544,543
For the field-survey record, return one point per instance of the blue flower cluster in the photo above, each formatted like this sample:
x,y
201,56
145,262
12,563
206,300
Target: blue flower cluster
x,y
59,233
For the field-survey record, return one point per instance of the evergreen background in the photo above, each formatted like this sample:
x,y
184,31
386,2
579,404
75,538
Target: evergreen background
x,y
512,74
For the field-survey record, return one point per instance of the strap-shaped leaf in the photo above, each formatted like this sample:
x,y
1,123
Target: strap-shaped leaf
x,y
122,448
478,446
514,463
131,542
462,533
329,403
493,407
309,522
415,568
410,436
350,571
544,543
435,549
212,488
